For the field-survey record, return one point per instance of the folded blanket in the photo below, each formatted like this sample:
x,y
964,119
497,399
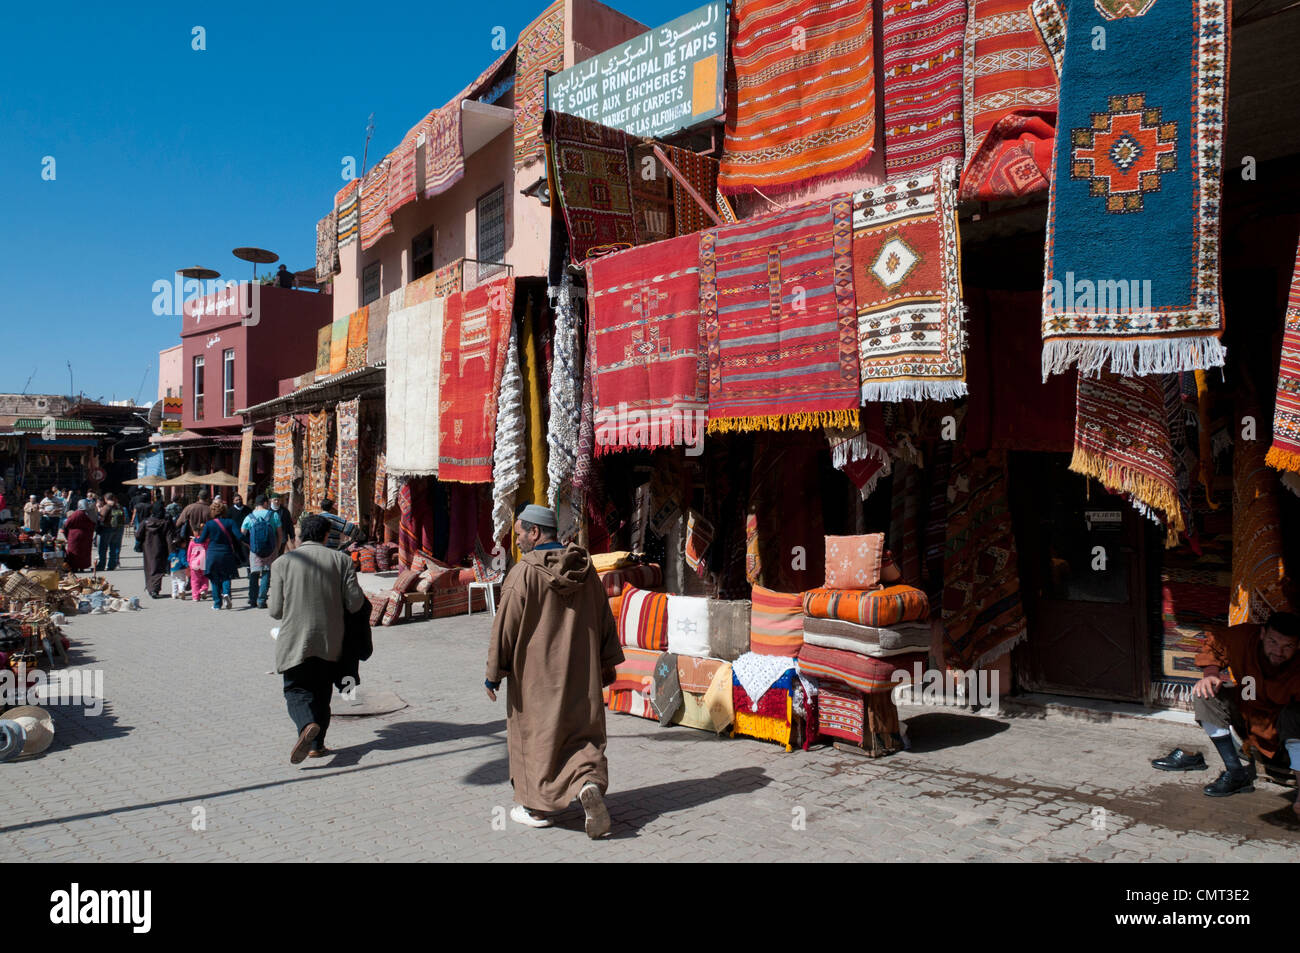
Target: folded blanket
x,y
729,628
711,710
771,717
696,674
604,562
757,673
877,608
862,672
866,640
637,670
667,689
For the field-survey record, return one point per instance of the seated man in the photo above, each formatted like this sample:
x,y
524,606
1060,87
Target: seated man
x,y
1262,704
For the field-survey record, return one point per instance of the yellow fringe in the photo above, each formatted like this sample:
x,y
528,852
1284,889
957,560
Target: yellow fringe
x,y
763,728
799,421
1120,479
1281,459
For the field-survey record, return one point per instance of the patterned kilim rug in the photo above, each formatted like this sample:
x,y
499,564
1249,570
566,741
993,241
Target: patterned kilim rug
x,y
652,196
1285,452
862,454
348,501
401,173
1009,103
377,325
1121,439
318,459
448,280
347,202
651,374
541,48
375,221
907,280
701,172
324,343
1132,270
358,337
797,111
476,334
1259,577
339,345
327,246
776,299
282,467
595,191
922,45
983,616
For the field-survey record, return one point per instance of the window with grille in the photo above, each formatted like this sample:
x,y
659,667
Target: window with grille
x,y
228,382
491,219
198,388
370,284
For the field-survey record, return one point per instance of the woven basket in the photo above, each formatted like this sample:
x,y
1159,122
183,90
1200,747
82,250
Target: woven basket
x,y
18,587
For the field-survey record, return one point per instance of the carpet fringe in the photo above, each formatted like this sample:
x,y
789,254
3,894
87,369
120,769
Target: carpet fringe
x,y
798,421
1119,478
1132,358
1281,459
999,650
895,391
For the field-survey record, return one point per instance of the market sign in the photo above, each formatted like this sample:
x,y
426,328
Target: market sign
x,y
662,81
172,411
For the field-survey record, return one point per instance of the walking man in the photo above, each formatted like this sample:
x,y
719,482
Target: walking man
x,y
261,530
556,641
310,589
197,514
112,524
1261,703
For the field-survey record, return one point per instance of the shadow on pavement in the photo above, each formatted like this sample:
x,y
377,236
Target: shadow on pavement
x,y
629,811
399,735
937,730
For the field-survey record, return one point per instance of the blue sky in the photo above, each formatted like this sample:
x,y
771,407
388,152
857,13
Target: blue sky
x,y
167,157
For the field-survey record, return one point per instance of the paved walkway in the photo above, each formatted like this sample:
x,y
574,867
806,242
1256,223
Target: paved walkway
x,y
189,761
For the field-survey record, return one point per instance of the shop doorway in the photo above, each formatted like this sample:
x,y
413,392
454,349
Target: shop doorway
x,y
1082,559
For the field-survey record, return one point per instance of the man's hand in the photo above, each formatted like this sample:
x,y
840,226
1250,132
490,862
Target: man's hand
x,y
1207,687
492,696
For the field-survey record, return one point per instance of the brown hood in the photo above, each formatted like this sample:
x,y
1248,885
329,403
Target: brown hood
x,y
566,568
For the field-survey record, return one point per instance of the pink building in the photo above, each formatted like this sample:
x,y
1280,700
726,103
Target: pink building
x,y
171,374
485,217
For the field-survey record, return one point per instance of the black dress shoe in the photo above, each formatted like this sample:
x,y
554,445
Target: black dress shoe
x,y
1231,782
1180,760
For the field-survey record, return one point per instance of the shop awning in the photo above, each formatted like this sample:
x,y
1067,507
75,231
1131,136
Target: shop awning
x,y
319,395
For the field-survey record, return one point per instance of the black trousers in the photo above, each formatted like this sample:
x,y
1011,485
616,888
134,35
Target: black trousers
x,y
307,691
1224,711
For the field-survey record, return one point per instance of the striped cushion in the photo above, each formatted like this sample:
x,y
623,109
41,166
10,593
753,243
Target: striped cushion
x,y
866,640
630,703
877,608
643,619
857,671
775,622
636,671
644,576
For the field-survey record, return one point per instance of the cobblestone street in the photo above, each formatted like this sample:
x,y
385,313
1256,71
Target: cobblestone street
x,y
194,719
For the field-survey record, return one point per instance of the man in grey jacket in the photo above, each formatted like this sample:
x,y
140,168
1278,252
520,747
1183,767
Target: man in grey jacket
x,y
310,587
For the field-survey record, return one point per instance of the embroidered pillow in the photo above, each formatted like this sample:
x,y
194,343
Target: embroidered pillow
x,y
378,602
688,626
853,562
643,619
407,580
393,609
775,622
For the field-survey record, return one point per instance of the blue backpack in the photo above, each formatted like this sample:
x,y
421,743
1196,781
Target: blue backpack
x,y
261,536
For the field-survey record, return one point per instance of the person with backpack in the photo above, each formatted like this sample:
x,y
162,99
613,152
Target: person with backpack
x,y
112,524
261,530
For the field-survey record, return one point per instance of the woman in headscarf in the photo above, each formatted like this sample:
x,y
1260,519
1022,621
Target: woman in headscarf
x,y
222,558
155,535
80,531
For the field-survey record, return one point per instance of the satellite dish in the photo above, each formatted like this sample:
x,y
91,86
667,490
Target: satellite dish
x,y
155,414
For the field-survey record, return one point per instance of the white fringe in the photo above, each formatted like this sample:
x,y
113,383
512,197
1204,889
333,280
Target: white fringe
x,y
894,391
999,650
860,447
1132,358
1172,691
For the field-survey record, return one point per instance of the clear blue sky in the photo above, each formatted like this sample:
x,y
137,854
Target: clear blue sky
x,y
167,157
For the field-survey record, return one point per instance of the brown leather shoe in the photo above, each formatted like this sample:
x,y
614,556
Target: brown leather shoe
x,y
303,746
320,752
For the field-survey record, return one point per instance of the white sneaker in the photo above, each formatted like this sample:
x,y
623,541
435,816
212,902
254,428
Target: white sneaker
x,y
521,815
593,805
226,603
